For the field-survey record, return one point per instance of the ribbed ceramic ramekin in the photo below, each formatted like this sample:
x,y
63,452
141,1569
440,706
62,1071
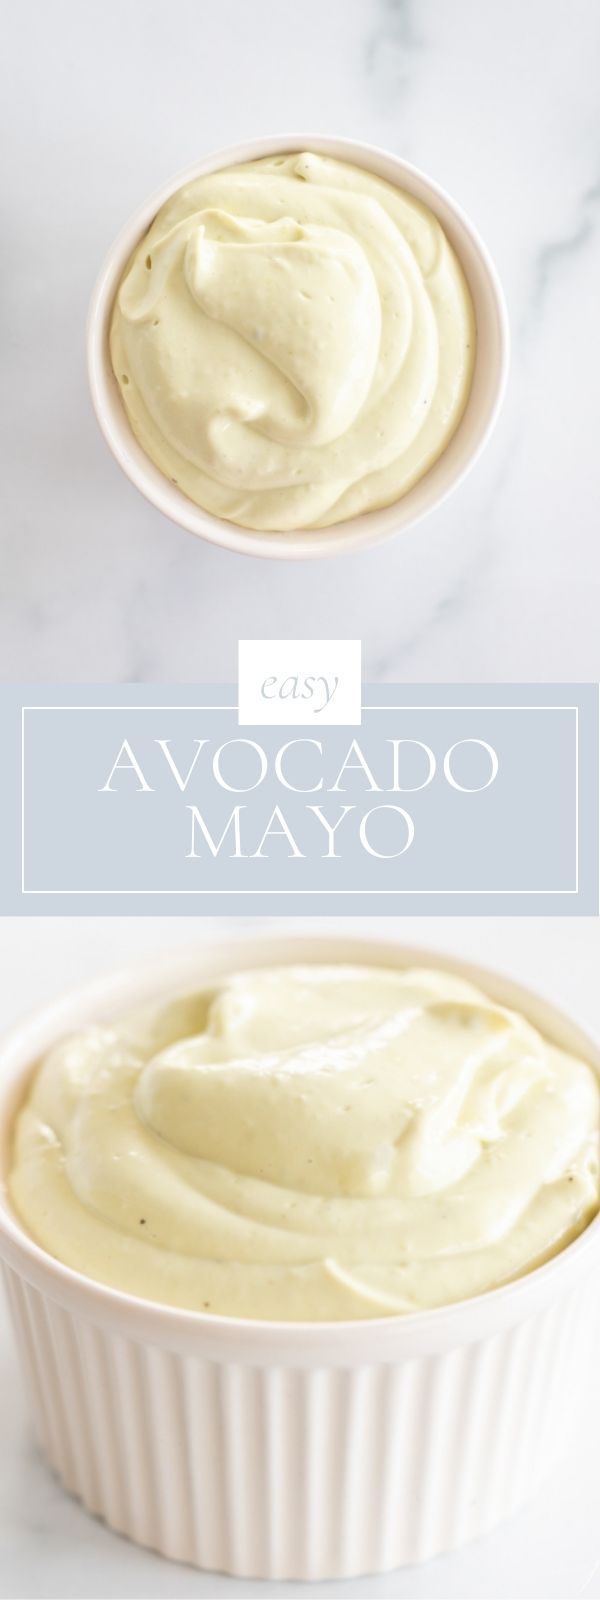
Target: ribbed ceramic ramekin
x,y
475,427
294,1450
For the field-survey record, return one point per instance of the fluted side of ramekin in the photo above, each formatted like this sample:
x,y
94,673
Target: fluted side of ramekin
x,y
298,1470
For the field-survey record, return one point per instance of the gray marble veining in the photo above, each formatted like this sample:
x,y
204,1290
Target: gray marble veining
x,y
500,103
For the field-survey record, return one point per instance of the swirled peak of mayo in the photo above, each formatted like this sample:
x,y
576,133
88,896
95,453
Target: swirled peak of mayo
x,y
294,341
310,1143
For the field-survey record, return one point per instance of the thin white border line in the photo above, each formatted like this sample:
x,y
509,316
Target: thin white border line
x,y
23,889
378,892
374,892
162,706
577,799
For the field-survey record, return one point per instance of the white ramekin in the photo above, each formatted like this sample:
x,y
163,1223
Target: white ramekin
x,y
489,380
294,1450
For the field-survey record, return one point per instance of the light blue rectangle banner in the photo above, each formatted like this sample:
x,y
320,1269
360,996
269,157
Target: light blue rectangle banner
x,y
458,799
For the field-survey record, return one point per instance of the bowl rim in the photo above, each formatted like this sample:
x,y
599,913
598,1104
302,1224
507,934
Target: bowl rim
x,y
458,1322
370,528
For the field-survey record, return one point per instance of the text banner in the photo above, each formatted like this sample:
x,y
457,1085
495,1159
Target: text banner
x,y
453,800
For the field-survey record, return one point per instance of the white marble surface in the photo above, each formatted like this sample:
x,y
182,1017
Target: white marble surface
x,y
101,103
50,1547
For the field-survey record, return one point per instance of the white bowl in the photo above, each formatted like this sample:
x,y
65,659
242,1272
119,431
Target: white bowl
x,y
278,1450
489,379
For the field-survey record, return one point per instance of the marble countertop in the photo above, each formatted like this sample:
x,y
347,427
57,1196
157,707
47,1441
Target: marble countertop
x,y
499,102
49,1546
100,104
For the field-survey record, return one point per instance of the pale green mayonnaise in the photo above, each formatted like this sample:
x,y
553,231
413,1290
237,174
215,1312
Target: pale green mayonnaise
x,y
294,341
310,1143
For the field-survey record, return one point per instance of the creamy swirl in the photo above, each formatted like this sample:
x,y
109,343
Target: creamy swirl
x,y
294,341
310,1143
